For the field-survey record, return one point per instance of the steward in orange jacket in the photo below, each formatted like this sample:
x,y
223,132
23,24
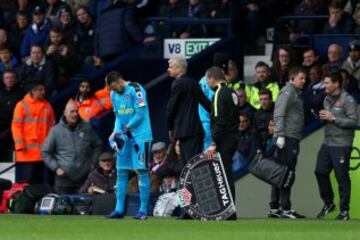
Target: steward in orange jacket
x,y
103,95
32,120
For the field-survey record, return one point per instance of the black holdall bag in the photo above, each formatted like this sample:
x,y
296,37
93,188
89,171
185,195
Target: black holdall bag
x,y
269,171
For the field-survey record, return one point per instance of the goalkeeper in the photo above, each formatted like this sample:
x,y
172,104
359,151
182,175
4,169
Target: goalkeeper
x,y
131,138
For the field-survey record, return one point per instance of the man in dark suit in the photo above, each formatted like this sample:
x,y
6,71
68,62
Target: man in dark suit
x,y
183,120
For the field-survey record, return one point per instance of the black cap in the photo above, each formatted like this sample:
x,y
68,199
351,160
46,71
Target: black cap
x,y
38,9
354,45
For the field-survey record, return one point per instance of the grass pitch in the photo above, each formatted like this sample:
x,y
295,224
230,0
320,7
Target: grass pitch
x,y
33,227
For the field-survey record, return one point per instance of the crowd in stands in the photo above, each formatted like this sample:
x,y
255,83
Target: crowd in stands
x,y
43,41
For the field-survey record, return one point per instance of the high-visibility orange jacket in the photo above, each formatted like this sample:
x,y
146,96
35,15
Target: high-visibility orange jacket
x,y
103,95
89,108
31,123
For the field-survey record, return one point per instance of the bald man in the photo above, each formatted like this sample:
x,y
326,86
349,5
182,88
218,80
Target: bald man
x,y
71,150
333,65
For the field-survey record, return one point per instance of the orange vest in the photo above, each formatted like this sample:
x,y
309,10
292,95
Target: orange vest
x,y
30,126
103,95
89,108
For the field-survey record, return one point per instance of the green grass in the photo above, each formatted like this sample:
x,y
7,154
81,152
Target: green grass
x,y
30,227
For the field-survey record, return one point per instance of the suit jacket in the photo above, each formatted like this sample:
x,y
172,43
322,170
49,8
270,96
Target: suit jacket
x,y
182,110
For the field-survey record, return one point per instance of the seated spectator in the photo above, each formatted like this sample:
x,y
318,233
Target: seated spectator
x,y
334,60
352,62
17,32
37,33
310,59
53,8
87,103
244,106
102,179
195,9
350,84
10,94
159,152
71,150
220,9
67,24
39,68
171,169
228,65
103,96
84,37
263,116
314,94
270,144
7,60
248,139
170,9
284,59
357,21
62,55
339,22
3,37
263,81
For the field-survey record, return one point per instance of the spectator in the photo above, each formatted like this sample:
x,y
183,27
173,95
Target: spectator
x,y
313,94
159,152
17,32
74,4
3,36
350,84
263,81
102,179
71,150
183,120
283,61
357,21
352,62
7,60
310,59
339,22
228,65
62,55
171,169
39,68
288,125
103,96
270,144
334,59
340,116
248,139
263,115
171,9
195,9
117,31
37,33
67,24
87,103
84,37
10,94
220,9
244,106
30,114
53,8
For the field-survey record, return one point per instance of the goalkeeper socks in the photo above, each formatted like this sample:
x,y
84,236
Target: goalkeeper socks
x,y
144,189
121,190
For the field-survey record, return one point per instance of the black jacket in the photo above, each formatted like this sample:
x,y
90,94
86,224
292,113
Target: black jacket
x,y
8,100
224,113
182,114
98,178
261,121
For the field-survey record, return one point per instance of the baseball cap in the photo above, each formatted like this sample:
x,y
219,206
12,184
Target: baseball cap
x,y
354,45
158,146
38,9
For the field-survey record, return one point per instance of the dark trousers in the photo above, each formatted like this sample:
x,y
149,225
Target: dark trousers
x,y
336,158
191,146
65,185
29,172
286,156
227,149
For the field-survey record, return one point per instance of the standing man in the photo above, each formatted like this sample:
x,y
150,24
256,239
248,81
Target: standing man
x,y
288,125
33,118
133,120
71,150
340,117
224,121
183,120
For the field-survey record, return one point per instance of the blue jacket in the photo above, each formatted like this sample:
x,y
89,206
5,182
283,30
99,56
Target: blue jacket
x,y
35,35
14,63
209,93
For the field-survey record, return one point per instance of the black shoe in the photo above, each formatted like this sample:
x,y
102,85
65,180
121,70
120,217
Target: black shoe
x,y
291,214
184,216
327,208
274,213
343,215
233,217
115,215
